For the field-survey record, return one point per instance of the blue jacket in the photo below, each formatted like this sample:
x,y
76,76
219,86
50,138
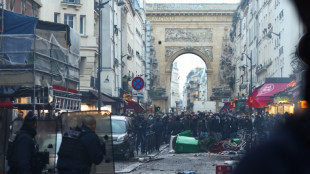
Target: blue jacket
x,y
91,151
24,151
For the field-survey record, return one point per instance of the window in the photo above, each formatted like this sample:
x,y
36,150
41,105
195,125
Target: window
x,y
82,24
82,65
281,15
56,17
70,20
281,51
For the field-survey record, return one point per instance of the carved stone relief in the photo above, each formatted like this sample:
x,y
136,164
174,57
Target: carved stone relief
x,y
205,50
171,50
188,35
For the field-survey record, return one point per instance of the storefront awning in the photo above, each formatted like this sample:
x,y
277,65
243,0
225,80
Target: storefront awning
x,y
253,102
132,105
261,96
104,97
270,89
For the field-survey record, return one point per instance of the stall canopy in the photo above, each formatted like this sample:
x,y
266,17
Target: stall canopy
x,y
262,96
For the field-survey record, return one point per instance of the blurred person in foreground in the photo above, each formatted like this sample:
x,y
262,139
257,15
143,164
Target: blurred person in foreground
x,y
288,151
80,148
22,156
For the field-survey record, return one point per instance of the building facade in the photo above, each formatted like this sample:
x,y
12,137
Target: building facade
x,y
25,7
265,35
175,94
194,89
133,45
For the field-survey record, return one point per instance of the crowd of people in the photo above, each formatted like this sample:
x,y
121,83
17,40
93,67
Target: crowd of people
x,y
202,124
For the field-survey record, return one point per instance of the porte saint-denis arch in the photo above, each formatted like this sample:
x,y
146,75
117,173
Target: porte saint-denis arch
x,y
176,29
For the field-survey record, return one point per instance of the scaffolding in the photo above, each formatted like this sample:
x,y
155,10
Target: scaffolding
x,y
32,66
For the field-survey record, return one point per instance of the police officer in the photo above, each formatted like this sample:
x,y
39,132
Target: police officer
x,y
77,158
22,158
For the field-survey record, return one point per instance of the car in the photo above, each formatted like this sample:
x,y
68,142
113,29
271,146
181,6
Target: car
x,y
122,135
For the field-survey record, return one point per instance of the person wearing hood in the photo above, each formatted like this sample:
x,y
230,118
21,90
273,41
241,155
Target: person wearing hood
x,y
22,157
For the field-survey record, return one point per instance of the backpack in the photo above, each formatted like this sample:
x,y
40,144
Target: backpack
x,y
71,146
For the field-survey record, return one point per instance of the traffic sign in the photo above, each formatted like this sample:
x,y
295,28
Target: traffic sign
x,y
137,83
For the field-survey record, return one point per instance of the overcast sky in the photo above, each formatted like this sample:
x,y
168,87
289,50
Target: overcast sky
x,y
186,63
192,1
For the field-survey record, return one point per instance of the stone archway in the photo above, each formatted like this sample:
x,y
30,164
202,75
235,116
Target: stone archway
x,y
178,29
203,53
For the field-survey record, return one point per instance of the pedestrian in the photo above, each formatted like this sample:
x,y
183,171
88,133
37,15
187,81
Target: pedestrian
x,y
203,127
22,154
177,126
18,122
169,128
186,122
80,148
194,125
142,131
158,129
216,124
233,127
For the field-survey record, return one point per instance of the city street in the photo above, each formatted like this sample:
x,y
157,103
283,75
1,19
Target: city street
x,y
171,163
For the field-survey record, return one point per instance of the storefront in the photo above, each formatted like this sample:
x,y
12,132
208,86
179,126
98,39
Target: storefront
x,y
264,97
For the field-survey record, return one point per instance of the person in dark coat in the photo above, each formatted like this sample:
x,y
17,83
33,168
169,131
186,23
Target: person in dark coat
x,y
18,122
186,122
142,130
23,158
177,126
203,127
88,151
158,129
225,128
169,128
194,126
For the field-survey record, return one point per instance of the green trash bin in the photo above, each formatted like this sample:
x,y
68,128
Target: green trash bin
x,y
236,140
186,133
186,145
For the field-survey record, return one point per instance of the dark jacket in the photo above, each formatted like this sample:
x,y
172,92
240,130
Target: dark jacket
x,y
158,128
203,126
24,151
177,127
143,126
92,153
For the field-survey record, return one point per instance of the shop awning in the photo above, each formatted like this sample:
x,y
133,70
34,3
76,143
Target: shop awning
x,y
104,97
253,102
130,104
269,89
261,96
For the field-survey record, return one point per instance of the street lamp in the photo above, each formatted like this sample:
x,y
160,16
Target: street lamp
x,y
251,82
269,35
129,57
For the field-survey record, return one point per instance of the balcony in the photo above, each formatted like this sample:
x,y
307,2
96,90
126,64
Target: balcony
x,y
71,3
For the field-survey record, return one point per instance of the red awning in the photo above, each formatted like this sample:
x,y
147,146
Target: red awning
x,y
261,96
270,89
135,106
253,102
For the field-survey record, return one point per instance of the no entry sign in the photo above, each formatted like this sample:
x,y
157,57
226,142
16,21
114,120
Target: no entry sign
x,y
137,83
